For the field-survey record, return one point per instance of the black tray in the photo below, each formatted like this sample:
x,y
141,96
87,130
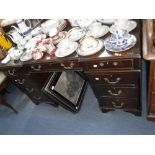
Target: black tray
x,y
67,88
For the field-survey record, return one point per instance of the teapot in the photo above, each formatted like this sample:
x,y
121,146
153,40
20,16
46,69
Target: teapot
x,y
22,27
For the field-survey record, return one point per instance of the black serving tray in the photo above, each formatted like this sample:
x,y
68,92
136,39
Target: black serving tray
x,y
67,88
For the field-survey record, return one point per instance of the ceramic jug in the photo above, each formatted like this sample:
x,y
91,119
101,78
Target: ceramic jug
x,y
22,27
15,37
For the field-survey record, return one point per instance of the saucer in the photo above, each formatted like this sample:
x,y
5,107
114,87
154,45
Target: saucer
x,y
96,48
66,48
131,25
113,45
98,31
76,34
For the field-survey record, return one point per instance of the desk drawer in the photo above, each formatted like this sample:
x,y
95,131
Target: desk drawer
x,y
114,78
51,66
119,103
110,64
102,90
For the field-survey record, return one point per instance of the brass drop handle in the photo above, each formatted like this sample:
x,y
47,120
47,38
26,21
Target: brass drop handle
x,y
38,68
11,72
112,82
115,94
117,106
67,67
20,81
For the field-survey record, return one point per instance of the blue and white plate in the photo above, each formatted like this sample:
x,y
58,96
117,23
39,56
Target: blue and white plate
x,y
114,45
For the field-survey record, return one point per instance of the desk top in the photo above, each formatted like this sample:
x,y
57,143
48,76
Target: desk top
x,y
134,52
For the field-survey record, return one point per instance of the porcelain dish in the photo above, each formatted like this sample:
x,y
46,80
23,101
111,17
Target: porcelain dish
x,y
66,48
129,26
98,31
76,34
90,47
106,21
113,45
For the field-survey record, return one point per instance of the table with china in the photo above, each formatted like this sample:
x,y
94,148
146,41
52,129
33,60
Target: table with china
x,y
104,52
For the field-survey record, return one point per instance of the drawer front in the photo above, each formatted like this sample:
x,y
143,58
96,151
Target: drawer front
x,y
114,78
102,90
52,67
118,103
110,64
14,71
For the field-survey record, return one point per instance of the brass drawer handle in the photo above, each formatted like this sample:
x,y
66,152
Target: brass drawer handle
x,y
30,89
20,81
115,63
117,106
115,94
67,67
112,82
38,68
11,72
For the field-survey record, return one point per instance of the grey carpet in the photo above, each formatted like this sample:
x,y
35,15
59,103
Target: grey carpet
x,y
45,119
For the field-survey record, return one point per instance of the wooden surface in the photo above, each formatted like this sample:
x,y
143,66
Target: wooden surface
x,y
30,76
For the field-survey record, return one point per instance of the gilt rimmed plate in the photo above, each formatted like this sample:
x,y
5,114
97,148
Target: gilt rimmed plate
x,y
131,25
76,33
91,51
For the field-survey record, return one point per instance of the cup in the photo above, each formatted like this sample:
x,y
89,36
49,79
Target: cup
x,y
120,34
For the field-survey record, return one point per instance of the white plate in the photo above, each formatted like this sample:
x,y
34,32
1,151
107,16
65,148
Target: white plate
x,y
131,25
26,56
128,43
66,48
98,31
106,21
76,34
94,50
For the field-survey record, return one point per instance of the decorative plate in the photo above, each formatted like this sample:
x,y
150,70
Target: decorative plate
x,y
98,31
83,23
76,34
26,56
66,48
131,25
113,45
86,51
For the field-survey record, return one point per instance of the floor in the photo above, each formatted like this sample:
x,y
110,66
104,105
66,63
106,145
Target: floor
x,y
45,119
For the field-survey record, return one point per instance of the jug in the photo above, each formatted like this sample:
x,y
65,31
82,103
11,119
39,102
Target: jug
x,y
16,37
22,27
4,42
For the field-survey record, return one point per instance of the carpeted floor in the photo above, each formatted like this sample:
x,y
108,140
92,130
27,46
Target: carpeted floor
x,y
45,119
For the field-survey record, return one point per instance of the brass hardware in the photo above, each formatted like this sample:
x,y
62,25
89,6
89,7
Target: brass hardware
x,y
115,94
112,82
95,66
101,64
67,67
115,63
97,78
117,106
11,72
36,68
20,81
